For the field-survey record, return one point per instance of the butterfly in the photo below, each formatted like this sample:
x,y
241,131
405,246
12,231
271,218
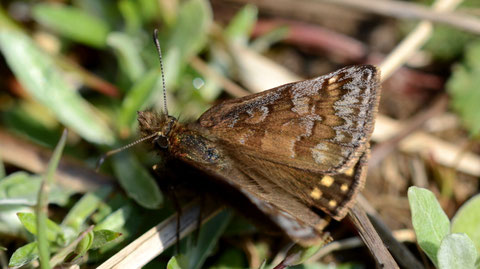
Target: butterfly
x,y
294,155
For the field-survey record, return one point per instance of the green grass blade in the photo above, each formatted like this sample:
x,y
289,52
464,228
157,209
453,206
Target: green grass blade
x,y
128,54
72,23
42,204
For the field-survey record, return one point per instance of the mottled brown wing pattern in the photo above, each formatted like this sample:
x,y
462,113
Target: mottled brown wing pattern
x,y
298,220
320,125
330,193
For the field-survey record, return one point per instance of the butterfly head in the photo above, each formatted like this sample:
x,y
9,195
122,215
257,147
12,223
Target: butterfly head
x,y
157,126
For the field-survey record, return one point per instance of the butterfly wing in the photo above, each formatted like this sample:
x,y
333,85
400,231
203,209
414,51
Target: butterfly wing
x,y
321,125
333,194
241,190
291,204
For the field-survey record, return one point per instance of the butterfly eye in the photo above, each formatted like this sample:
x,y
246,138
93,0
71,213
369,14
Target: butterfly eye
x,y
161,142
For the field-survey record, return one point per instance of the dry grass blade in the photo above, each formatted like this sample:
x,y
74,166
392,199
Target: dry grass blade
x,y
371,238
414,41
156,240
33,158
400,9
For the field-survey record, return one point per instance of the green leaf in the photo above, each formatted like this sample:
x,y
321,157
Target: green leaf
x,y
29,221
116,220
142,95
173,264
72,23
128,54
85,244
136,181
24,255
131,14
240,27
189,34
209,235
9,222
464,88
298,254
264,42
21,188
103,237
429,221
79,213
40,77
467,220
457,251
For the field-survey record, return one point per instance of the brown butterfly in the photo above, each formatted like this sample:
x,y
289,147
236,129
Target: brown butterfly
x,y
295,154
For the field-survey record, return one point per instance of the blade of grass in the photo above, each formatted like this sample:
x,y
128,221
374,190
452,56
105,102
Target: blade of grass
x,y
41,209
2,168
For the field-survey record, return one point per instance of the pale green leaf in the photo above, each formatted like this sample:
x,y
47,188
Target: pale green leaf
x,y
79,213
429,221
136,181
29,222
467,220
457,251
24,255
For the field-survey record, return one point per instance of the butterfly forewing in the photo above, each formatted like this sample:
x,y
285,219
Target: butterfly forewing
x,y
320,125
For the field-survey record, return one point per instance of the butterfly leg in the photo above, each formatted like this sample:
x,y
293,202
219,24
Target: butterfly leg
x,y
178,209
199,219
169,190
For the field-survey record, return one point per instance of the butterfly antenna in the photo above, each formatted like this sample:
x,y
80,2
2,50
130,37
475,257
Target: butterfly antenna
x,y
115,151
157,44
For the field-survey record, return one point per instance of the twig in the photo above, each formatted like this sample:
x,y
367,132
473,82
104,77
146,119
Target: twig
x,y
316,38
156,240
408,10
404,257
414,41
310,9
380,151
405,235
370,237
428,146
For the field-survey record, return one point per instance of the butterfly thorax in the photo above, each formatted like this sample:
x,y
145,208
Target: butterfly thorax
x,y
178,140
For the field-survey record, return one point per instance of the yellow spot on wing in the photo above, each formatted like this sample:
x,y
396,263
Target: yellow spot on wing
x,y
316,193
349,172
327,181
332,203
344,187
